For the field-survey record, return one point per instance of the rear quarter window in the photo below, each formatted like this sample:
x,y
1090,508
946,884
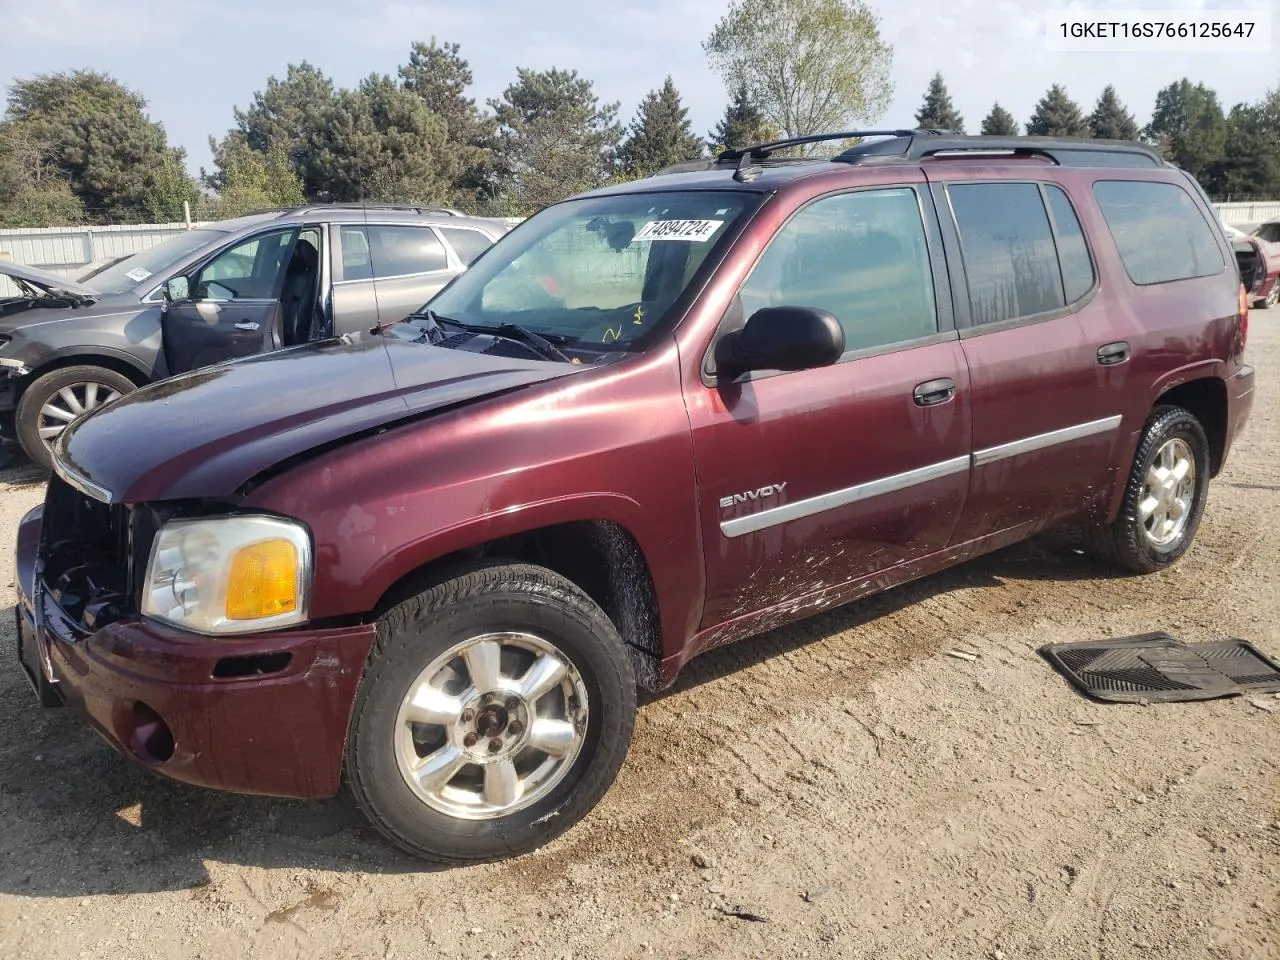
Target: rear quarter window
x,y
1159,231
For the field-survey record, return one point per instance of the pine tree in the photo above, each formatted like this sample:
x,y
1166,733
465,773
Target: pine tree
x,y
660,134
999,123
1057,115
1110,120
741,126
937,111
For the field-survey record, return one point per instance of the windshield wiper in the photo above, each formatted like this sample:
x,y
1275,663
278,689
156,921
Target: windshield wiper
x,y
539,343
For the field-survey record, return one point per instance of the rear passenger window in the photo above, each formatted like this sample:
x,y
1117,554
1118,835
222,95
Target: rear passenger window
x,y
1160,232
863,257
467,244
1077,268
387,251
1009,255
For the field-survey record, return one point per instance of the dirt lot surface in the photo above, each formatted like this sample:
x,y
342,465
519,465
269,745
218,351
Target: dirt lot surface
x,y
845,779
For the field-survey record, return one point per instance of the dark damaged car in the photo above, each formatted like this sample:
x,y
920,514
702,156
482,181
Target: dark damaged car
x,y
655,419
224,290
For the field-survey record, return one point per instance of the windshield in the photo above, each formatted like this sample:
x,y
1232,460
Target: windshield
x,y
128,273
600,272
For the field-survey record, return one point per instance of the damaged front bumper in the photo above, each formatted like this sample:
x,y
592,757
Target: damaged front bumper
x,y
262,714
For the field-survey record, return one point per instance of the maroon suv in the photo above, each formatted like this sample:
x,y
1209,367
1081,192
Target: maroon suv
x,y
440,557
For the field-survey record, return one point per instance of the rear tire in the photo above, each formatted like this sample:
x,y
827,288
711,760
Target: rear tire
x,y
1164,498
453,754
47,403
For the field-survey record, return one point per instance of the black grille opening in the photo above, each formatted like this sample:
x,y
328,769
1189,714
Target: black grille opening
x,y
253,666
87,553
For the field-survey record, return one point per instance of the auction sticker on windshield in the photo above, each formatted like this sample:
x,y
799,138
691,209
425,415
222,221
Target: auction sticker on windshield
x,y
698,231
138,274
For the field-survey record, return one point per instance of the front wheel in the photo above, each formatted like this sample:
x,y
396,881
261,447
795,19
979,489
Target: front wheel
x,y
495,711
59,398
1164,498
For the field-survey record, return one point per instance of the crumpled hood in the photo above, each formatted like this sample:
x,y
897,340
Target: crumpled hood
x,y
205,433
50,282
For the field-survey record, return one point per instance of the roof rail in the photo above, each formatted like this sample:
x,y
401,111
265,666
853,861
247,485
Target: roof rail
x,y
762,150
345,205
1064,151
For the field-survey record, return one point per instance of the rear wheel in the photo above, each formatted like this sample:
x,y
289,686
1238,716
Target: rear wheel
x,y
1165,496
494,713
59,398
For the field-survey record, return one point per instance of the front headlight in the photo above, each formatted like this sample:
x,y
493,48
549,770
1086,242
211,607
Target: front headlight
x,y
229,574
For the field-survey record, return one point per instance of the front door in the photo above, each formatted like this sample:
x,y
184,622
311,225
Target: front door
x,y
811,479
232,306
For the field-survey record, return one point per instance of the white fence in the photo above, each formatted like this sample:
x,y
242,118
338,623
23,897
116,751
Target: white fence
x,y
1246,212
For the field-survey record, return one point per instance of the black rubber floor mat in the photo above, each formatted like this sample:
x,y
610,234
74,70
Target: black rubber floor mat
x,y
1159,669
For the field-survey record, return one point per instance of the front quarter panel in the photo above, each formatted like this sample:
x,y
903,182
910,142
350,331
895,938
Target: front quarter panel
x,y
610,444
128,335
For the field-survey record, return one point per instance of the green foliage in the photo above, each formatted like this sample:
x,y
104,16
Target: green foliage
x,y
999,123
290,112
440,77
1250,166
1110,120
741,126
250,180
33,193
937,112
95,134
660,134
810,66
554,139
1057,115
379,142
1189,127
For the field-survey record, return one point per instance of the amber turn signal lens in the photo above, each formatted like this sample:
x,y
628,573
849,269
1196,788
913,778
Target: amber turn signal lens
x,y
263,581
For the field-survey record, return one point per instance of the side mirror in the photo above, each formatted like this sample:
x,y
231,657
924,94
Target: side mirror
x,y
781,338
175,289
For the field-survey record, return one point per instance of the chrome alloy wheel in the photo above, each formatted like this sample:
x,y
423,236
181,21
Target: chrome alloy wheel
x,y
1168,493
491,726
69,404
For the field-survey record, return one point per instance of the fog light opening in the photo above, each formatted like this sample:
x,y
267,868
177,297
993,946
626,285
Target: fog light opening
x,y
151,740
229,668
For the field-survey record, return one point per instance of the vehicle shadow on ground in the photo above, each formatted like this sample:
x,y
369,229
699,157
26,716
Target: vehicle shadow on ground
x,y
79,820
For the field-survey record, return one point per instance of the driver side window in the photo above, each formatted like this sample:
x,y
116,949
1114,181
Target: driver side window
x,y
863,257
251,270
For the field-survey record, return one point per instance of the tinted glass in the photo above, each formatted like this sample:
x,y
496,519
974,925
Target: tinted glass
x,y
252,270
387,251
861,256
599,271
1159,231
1073,253
1009,255
467,244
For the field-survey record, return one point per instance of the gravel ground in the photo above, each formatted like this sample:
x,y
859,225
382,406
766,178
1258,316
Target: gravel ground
x,y
844,779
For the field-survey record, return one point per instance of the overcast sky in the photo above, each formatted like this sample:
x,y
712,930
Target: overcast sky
x,y
194,60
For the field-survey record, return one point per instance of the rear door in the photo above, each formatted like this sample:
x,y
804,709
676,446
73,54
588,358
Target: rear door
x,y
383,272
1047,392
232,304
810,479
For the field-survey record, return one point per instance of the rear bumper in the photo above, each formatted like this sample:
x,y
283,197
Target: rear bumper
x,y
160,698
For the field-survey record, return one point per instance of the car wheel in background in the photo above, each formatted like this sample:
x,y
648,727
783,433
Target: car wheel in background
x,y
59,398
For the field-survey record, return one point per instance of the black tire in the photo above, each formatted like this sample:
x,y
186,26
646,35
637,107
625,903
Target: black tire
x,y
1124,541
488,598
27,416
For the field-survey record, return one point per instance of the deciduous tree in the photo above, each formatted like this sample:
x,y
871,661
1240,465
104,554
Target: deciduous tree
x,y
1189,126
811,66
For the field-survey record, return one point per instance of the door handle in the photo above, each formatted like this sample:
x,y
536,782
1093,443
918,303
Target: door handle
x,y
1110,353
933,392
248,325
